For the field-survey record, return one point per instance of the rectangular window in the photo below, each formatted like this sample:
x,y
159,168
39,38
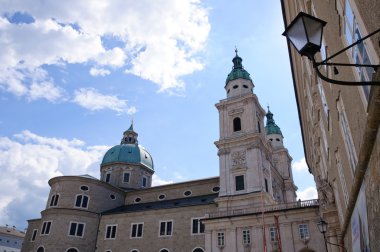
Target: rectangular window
x,y
144,181
266,185
54,200
137,230
239,183
359,52
34,234
108,177
46,228
304,231
347,137
126,176
111,231
221,239
197,227
166,228
76,229
246,237
81,201
342,178
273,233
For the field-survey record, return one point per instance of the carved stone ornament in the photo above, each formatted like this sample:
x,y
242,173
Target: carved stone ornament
x,y
223,151
325,193
239,158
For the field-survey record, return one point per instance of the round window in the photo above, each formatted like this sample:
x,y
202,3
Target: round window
x,y
216,189
235,87
161,196
84,188
187,193
137,200
112,196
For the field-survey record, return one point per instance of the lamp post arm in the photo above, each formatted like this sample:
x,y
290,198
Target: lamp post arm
x,y
340,82
348,47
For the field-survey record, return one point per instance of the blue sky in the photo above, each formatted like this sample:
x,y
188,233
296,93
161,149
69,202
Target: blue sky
x,y
74,73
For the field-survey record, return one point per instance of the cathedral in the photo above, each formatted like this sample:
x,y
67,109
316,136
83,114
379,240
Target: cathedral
x,y
250,206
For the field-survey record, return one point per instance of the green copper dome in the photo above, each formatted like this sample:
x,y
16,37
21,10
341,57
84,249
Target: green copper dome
x,y
128,151
271,127
238,71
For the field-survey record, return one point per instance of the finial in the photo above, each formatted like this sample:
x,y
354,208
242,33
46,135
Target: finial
x,y
236,50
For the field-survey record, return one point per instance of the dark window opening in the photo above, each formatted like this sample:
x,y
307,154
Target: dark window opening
x,y
34,235
137,200
54,200
216,189
72,250
235,87
237,124
198,227
277,139
144,181
187,193
258,126
239,182
84,188
81,201
111,232
40,249
266,185
126,176
108,177
112,196
245,86
161,196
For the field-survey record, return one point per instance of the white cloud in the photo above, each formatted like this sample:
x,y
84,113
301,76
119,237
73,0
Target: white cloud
x,y
99,71
300,165
156,40
28,161
91,99
308,193
157,181
45,90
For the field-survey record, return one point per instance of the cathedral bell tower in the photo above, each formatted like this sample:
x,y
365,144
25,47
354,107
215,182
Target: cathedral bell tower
x,y
244,154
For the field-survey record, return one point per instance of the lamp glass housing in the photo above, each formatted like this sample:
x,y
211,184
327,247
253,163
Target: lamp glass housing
x,y
305,33
322,226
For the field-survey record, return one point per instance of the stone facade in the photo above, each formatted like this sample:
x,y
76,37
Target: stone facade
x,y
340,123
122,212
11,239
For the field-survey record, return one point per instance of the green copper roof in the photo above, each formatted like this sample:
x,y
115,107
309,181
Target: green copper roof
x,y
128,153
130,128
238,71
271,127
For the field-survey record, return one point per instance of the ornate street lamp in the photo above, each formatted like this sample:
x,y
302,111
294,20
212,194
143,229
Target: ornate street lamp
x,y
305,34
322,227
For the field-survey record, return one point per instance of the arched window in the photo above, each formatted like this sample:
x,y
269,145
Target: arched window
x,y
198,250
72,250
41,249
164,250
237,124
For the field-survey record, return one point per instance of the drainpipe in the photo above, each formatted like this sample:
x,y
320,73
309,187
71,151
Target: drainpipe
x,y
369,139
